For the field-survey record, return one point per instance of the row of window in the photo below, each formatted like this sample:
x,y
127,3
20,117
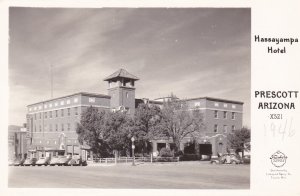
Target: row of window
x,y
225,128
50,105
55,142
55,128
233,115
59,103
224,105
56,113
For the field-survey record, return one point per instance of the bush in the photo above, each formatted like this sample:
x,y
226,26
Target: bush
x,y
178,154
189,157
166,152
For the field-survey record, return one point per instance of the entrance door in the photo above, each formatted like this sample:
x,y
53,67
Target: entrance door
x,y
205,149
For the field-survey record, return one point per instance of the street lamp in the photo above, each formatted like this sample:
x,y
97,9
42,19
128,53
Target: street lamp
x,y
133,147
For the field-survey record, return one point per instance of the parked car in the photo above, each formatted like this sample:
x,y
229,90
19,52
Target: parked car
x,y
19,162
227,159
76,161
64,160
43,161
54,161
30,161
11,162
246,159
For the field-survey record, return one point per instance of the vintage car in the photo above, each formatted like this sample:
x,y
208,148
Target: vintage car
x,y
11,162
64,160
19,162
77,161
247,159
43,161
30,161
54,161
227,159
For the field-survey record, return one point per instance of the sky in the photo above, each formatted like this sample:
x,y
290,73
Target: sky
x,y
190,52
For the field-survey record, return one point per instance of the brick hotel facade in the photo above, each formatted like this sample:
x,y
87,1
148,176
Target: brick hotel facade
x,y
52,123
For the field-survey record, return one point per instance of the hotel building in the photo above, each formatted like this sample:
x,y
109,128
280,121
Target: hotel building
x,y
52,123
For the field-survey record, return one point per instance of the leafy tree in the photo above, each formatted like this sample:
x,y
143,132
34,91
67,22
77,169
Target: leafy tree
x,y
146,119
90,131
118,131
239,140
105,131
178,121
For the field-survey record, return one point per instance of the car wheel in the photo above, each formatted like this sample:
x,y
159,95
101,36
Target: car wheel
x,y
234,162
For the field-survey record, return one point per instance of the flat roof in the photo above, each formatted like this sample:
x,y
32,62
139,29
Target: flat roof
x,y
217,99
80,93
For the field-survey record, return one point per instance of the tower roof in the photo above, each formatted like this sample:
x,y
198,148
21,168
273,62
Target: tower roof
x,y
121,73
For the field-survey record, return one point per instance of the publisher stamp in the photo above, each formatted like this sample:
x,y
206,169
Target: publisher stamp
x,y
278,159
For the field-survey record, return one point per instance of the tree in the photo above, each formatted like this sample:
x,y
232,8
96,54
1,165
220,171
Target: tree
x,y
146,119
105,131
178,121
239,140
90,131
118,131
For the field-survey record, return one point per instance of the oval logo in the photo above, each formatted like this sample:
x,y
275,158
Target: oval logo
x,y
278,159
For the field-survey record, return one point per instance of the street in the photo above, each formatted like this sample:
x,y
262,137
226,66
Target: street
x,y
182,175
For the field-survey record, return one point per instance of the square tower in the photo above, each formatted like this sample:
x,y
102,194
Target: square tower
x,y
122,91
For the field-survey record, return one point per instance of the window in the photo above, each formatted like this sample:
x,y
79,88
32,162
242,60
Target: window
x,y
216,104
56,127
62,103
216,114
50,114
50,127
34,128
75,100
69,127
232,128
76,110
62,112
92,100
40,128
216,128
69,111
127,95
56,113
56,104
40,115
225,105
225,115
34,116
62,127
233,106
45,106
197,104
68,101
45,114
233,115
225,128
50,105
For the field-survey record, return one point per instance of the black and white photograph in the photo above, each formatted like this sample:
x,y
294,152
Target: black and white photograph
x,y
129,98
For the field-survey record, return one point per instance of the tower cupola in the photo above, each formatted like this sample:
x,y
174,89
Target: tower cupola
x,y
121,88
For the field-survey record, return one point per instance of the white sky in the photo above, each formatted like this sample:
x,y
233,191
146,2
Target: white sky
x,y
191,52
